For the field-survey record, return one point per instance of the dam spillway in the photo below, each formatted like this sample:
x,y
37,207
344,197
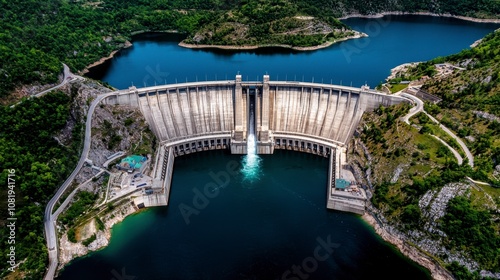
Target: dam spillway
x,y
300,116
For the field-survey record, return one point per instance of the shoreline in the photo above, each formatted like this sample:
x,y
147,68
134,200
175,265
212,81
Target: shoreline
x,y
436,270
69,251
126,45
254,47
395,13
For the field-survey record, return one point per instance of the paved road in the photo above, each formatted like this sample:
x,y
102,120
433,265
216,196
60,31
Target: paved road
x,y
67,77
478,182
453,151
461,143
70,196
414,110
420,108
49,219
115,156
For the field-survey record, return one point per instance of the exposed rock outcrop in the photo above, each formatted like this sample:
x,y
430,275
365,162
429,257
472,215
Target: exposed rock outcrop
x,y
69,251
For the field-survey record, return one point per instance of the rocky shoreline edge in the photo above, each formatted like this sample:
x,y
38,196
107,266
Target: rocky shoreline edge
x,y
70,251
127,44
254,47
436,270
324,45
395,13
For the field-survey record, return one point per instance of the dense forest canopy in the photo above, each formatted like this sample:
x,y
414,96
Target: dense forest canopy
x,y
41,164
35,37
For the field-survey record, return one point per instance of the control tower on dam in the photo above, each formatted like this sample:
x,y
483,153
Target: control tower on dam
x,y
306,117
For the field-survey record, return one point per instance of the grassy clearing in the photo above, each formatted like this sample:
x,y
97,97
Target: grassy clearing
x,y
479,198
429,148
145,146
429,127
492,191
397,87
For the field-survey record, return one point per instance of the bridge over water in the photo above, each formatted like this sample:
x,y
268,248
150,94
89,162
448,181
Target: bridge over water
x,y
300,116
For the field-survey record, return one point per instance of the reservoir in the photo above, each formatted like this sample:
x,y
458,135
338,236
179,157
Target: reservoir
x,y
252,230
156,58
273,225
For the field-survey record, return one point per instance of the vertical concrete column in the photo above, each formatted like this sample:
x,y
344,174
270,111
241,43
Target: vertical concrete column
x,y
238,110
338,161
264,129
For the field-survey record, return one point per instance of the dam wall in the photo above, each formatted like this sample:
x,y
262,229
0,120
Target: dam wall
x,y
218,112
314,110
183,111
159,192
305,117
330,112
123,97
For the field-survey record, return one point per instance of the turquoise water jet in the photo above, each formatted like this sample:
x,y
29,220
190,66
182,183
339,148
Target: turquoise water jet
x,y
251,170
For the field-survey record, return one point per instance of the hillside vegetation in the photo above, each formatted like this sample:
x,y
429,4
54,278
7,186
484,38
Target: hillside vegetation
x,y
471,102
269,22
429,200
36,36
41,164
471,8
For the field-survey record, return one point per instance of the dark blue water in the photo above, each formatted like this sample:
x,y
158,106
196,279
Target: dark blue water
x,y
258,230
275,227
156,58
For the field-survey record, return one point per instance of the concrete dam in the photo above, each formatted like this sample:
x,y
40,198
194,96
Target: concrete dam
x,y
299,116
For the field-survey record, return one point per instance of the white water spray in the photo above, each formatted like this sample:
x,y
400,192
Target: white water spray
x,y
251,162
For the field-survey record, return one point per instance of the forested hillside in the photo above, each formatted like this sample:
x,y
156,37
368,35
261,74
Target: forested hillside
x,y
265,22
416,202
471,8
35,37
40,165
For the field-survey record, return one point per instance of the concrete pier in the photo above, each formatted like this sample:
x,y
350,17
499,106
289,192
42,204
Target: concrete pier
x,y
305,117
159,192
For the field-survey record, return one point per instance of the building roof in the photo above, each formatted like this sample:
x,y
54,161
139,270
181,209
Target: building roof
x,y
132,162
342,184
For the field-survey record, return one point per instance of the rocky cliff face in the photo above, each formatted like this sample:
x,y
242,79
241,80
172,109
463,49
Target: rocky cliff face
x,y
114,128
69,251
391,235
376,164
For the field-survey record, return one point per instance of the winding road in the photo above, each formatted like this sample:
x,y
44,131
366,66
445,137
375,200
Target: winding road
x,y
49,218
461,143
420,108
67,77
459,158
414,110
